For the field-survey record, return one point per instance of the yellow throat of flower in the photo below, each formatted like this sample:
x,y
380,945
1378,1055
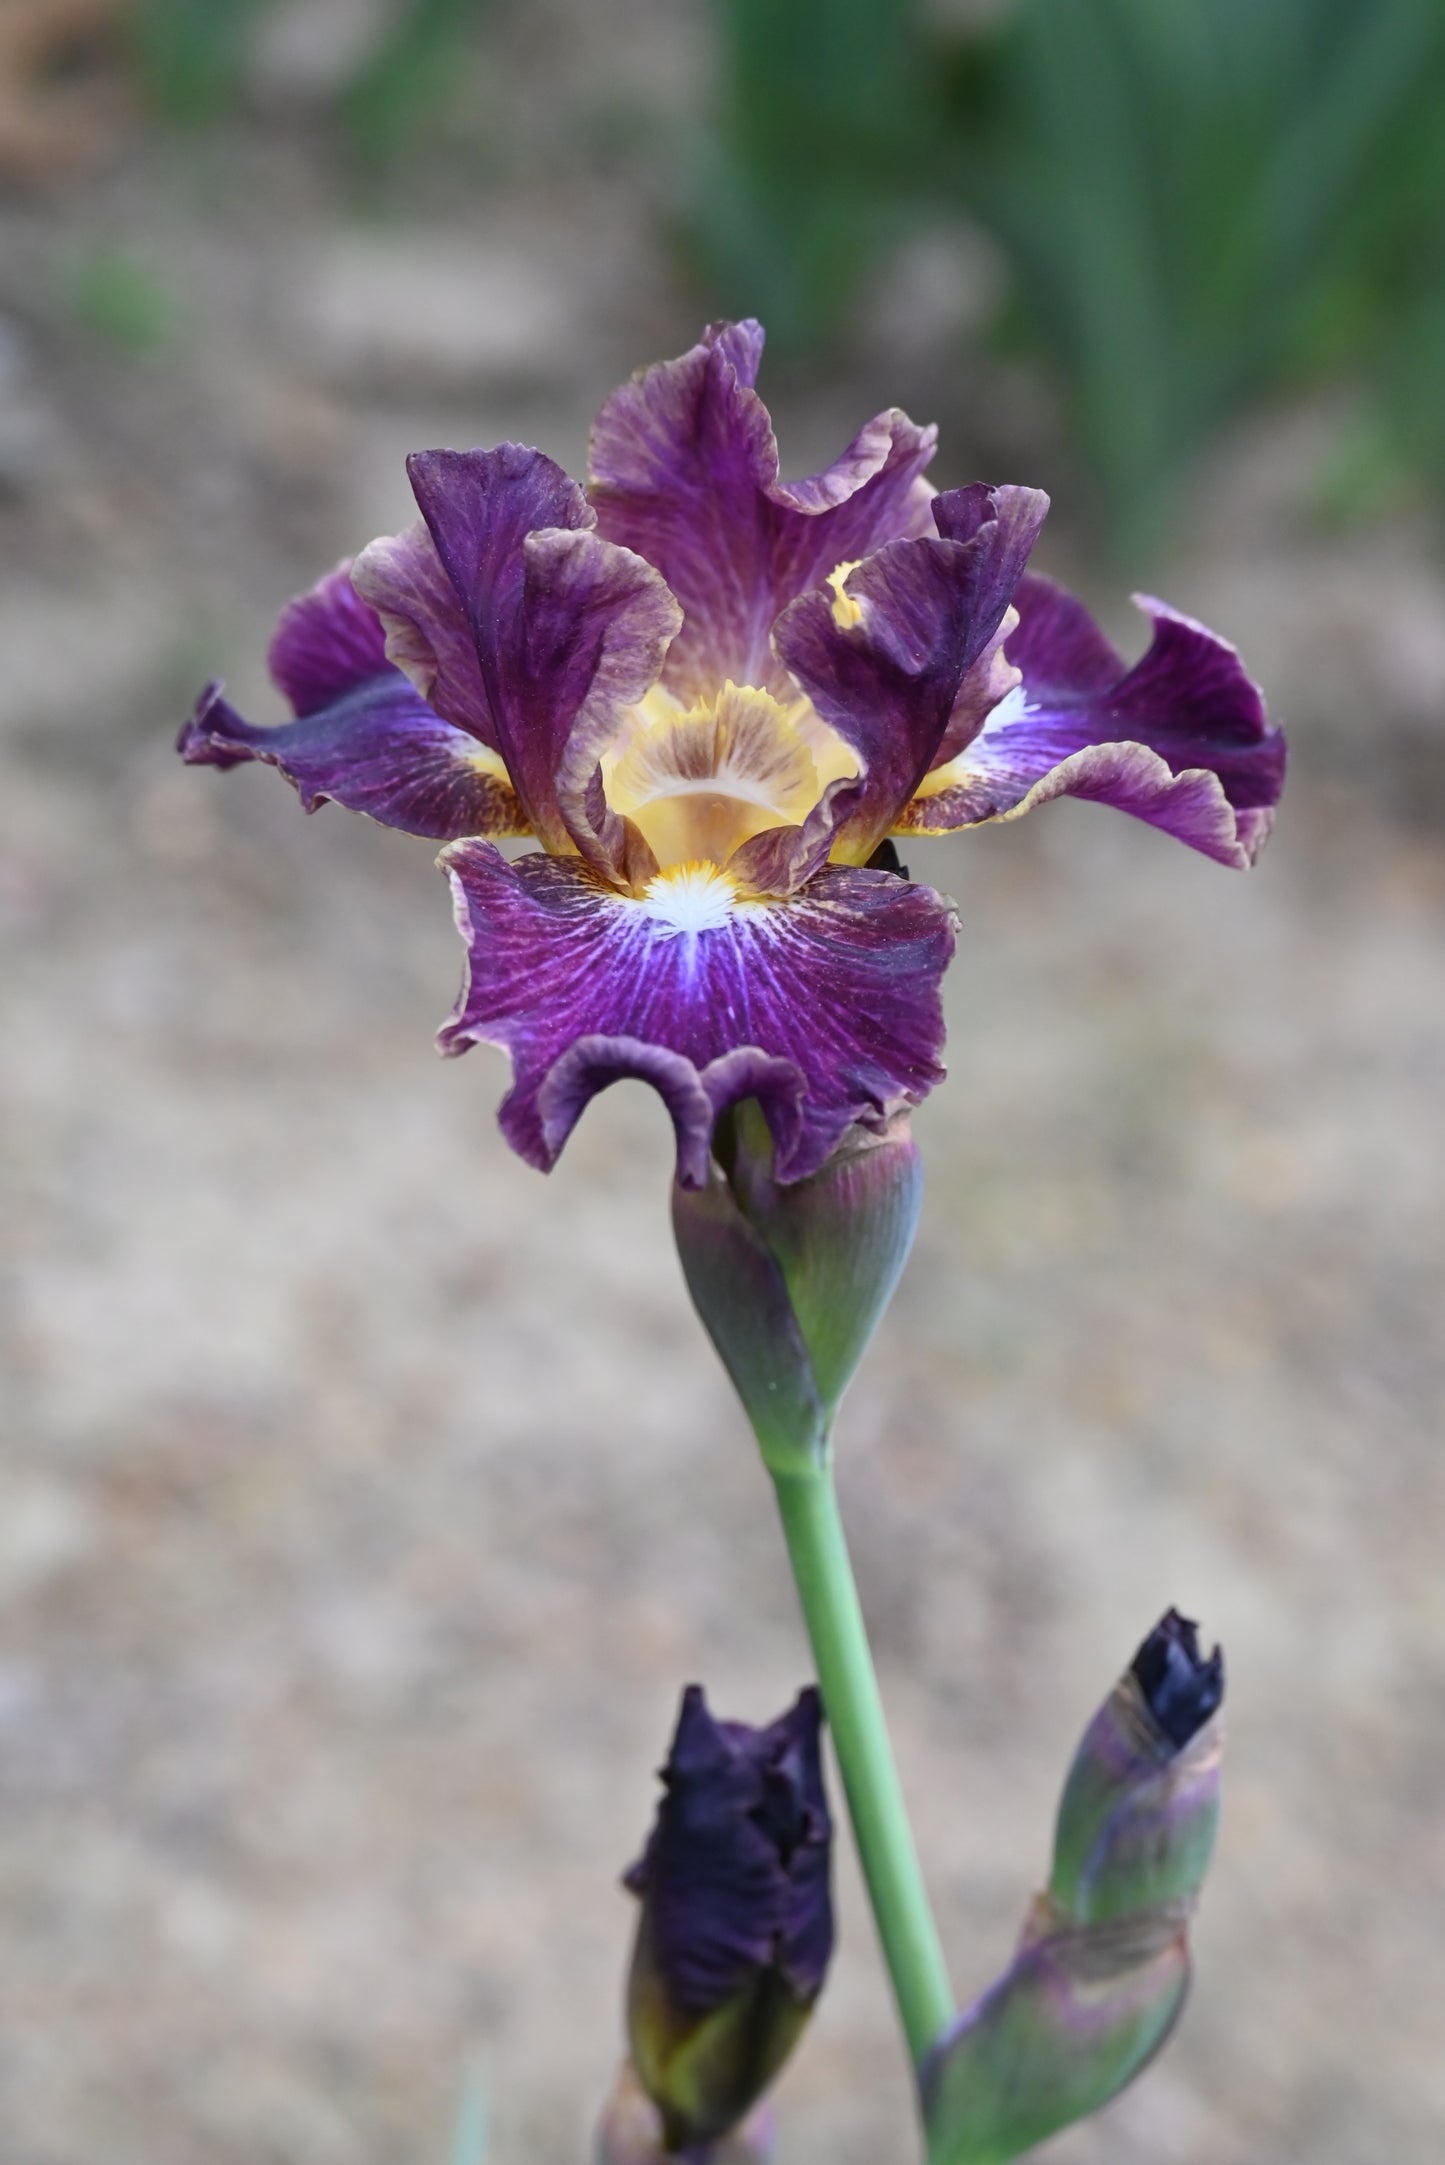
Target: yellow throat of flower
x,y
700,781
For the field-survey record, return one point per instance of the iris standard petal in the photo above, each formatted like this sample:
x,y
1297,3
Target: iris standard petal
x,y
566,629
582,985
428,636
1180,740
598,621
362,737
684,469
478,507
883,657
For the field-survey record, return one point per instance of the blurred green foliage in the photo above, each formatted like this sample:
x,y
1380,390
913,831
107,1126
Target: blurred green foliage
x,y
120,300
402,81
814,158
1198,200
191,53
192,57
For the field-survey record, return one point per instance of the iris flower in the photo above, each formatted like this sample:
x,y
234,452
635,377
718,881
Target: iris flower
x,y
712,696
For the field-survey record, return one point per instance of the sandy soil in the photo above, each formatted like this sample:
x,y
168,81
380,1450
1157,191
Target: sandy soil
x,y
366,1499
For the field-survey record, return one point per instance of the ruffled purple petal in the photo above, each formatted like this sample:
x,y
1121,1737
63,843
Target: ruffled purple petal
x,y
428,636
883,662
563,629
326,642
1180,740
379,750
1065,650
684,469
362,736
832,996
695,1101
598,621
991,678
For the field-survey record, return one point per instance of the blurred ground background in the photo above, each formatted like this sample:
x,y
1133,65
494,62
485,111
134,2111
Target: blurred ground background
x,y
366,1499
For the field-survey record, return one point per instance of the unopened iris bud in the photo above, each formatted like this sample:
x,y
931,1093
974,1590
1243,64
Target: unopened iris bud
x,y
1103,1966
736,1929
1138,1815
791,1278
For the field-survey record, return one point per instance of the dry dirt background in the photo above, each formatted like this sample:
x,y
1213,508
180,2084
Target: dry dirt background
x,y
366,1499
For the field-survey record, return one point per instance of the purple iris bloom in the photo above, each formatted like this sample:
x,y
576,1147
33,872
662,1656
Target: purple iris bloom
x,y
712,695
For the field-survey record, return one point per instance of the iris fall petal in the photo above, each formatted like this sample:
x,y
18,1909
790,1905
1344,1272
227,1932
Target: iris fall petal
x,y
1180,740
840,983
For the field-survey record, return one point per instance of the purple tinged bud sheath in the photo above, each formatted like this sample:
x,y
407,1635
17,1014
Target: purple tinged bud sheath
x,y
1102,1968
631,2132
1138,1815
791,1278
1074,2018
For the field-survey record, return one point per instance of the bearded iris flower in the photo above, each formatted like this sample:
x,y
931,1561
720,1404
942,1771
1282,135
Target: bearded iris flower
x,y
712,695
713,698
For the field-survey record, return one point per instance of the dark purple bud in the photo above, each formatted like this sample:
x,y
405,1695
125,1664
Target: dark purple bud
x,y
1137,1818
736,1928
1181,1687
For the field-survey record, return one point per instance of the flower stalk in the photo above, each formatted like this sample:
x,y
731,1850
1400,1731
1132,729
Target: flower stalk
x,y
818,1552
790,1279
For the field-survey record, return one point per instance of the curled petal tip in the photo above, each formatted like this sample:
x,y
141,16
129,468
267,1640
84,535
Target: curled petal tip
x,y
1180,740
361,735
200,742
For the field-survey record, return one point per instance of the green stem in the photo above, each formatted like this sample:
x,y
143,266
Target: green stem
x,y
819,1554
